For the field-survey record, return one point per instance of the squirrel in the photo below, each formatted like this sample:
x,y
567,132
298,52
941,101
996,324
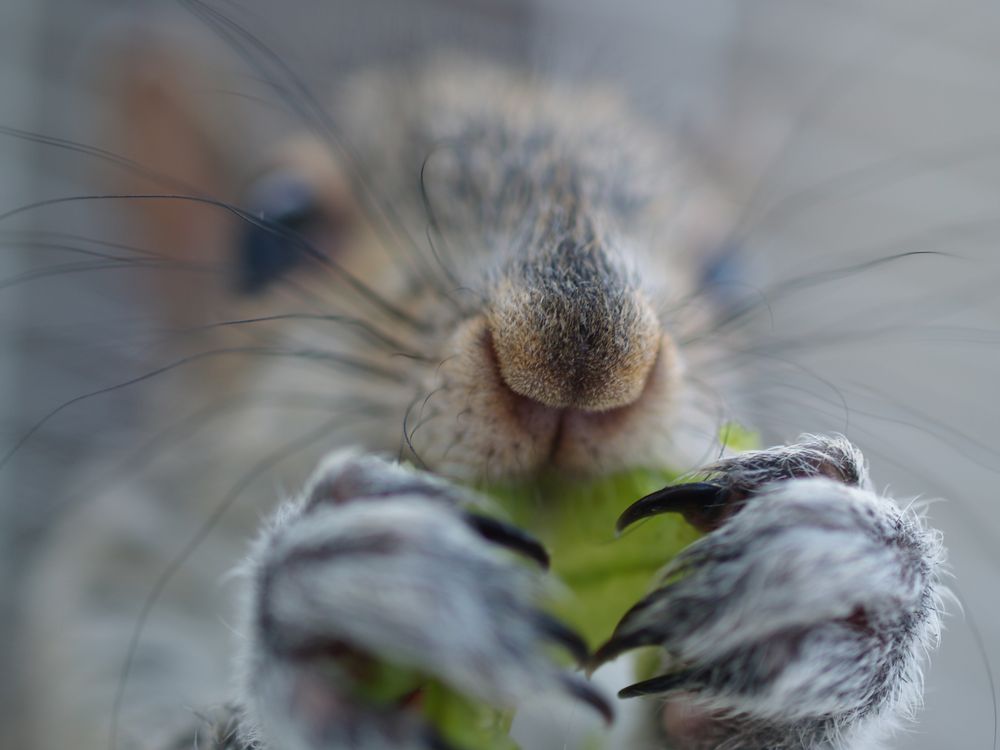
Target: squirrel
x,y
496,279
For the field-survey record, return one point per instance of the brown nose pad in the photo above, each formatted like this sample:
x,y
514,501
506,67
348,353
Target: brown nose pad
x,y
584,352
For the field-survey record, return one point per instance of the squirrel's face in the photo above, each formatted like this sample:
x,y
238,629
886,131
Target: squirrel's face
x,y
498,271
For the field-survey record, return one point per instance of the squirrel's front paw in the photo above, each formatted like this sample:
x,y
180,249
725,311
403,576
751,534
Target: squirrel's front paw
x,y
800,619
386,611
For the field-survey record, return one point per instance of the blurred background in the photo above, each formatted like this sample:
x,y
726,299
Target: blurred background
x,y
843,133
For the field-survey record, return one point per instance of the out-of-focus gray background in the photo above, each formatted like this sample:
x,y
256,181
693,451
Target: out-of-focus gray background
x,y
850,131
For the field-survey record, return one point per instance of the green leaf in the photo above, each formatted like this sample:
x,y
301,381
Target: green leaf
x,y
575,519
735,437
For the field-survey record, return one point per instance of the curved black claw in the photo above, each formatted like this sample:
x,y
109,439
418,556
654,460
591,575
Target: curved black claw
x,y
663,684
619,644
565,636
626,635
583,691
509,536
702,504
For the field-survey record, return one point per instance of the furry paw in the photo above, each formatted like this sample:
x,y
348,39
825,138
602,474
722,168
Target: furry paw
x,y
387,610
801,619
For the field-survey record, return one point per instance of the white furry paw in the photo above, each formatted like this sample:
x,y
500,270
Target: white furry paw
x,y
801,619
376,591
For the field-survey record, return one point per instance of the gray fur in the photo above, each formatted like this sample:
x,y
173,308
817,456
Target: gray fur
x,y
768,633
394,574
799,623
803,621
831,456
567,242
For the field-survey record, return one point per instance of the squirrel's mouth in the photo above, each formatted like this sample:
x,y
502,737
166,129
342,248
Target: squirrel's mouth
x,y
565,427
477,427
573,438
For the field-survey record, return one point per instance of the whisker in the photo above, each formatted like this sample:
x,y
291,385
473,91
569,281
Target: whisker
x,y
261,468
297,95
868,177
66,248
70,269
827,93
407,436
194,423
935,427
806,281
373,333
101,154
813,374
351,364
299,242
977,636
434,225
813,342
872,438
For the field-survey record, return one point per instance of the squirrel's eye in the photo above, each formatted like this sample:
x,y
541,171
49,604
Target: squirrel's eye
x,y
285,201
726,277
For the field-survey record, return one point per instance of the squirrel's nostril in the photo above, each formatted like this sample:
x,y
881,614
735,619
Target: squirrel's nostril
x,y
587,352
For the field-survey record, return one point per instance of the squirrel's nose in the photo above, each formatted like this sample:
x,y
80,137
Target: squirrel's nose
x,y
576,341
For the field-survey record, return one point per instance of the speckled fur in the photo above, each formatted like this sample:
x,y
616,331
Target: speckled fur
x,y
542,342
802,622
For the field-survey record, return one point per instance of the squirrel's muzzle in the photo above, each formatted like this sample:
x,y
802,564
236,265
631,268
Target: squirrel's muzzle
x,y
570,332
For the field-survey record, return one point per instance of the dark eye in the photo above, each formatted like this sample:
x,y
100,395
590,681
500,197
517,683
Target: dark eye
x,y
288,201
727,277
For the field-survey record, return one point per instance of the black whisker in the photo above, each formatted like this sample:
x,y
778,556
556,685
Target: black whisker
x,y
872,176
259,470
72,249
297,95
434,226
101,154
194,423
349,363
407,437
809,281
811,373
68,269
372,332
297,240
977,636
